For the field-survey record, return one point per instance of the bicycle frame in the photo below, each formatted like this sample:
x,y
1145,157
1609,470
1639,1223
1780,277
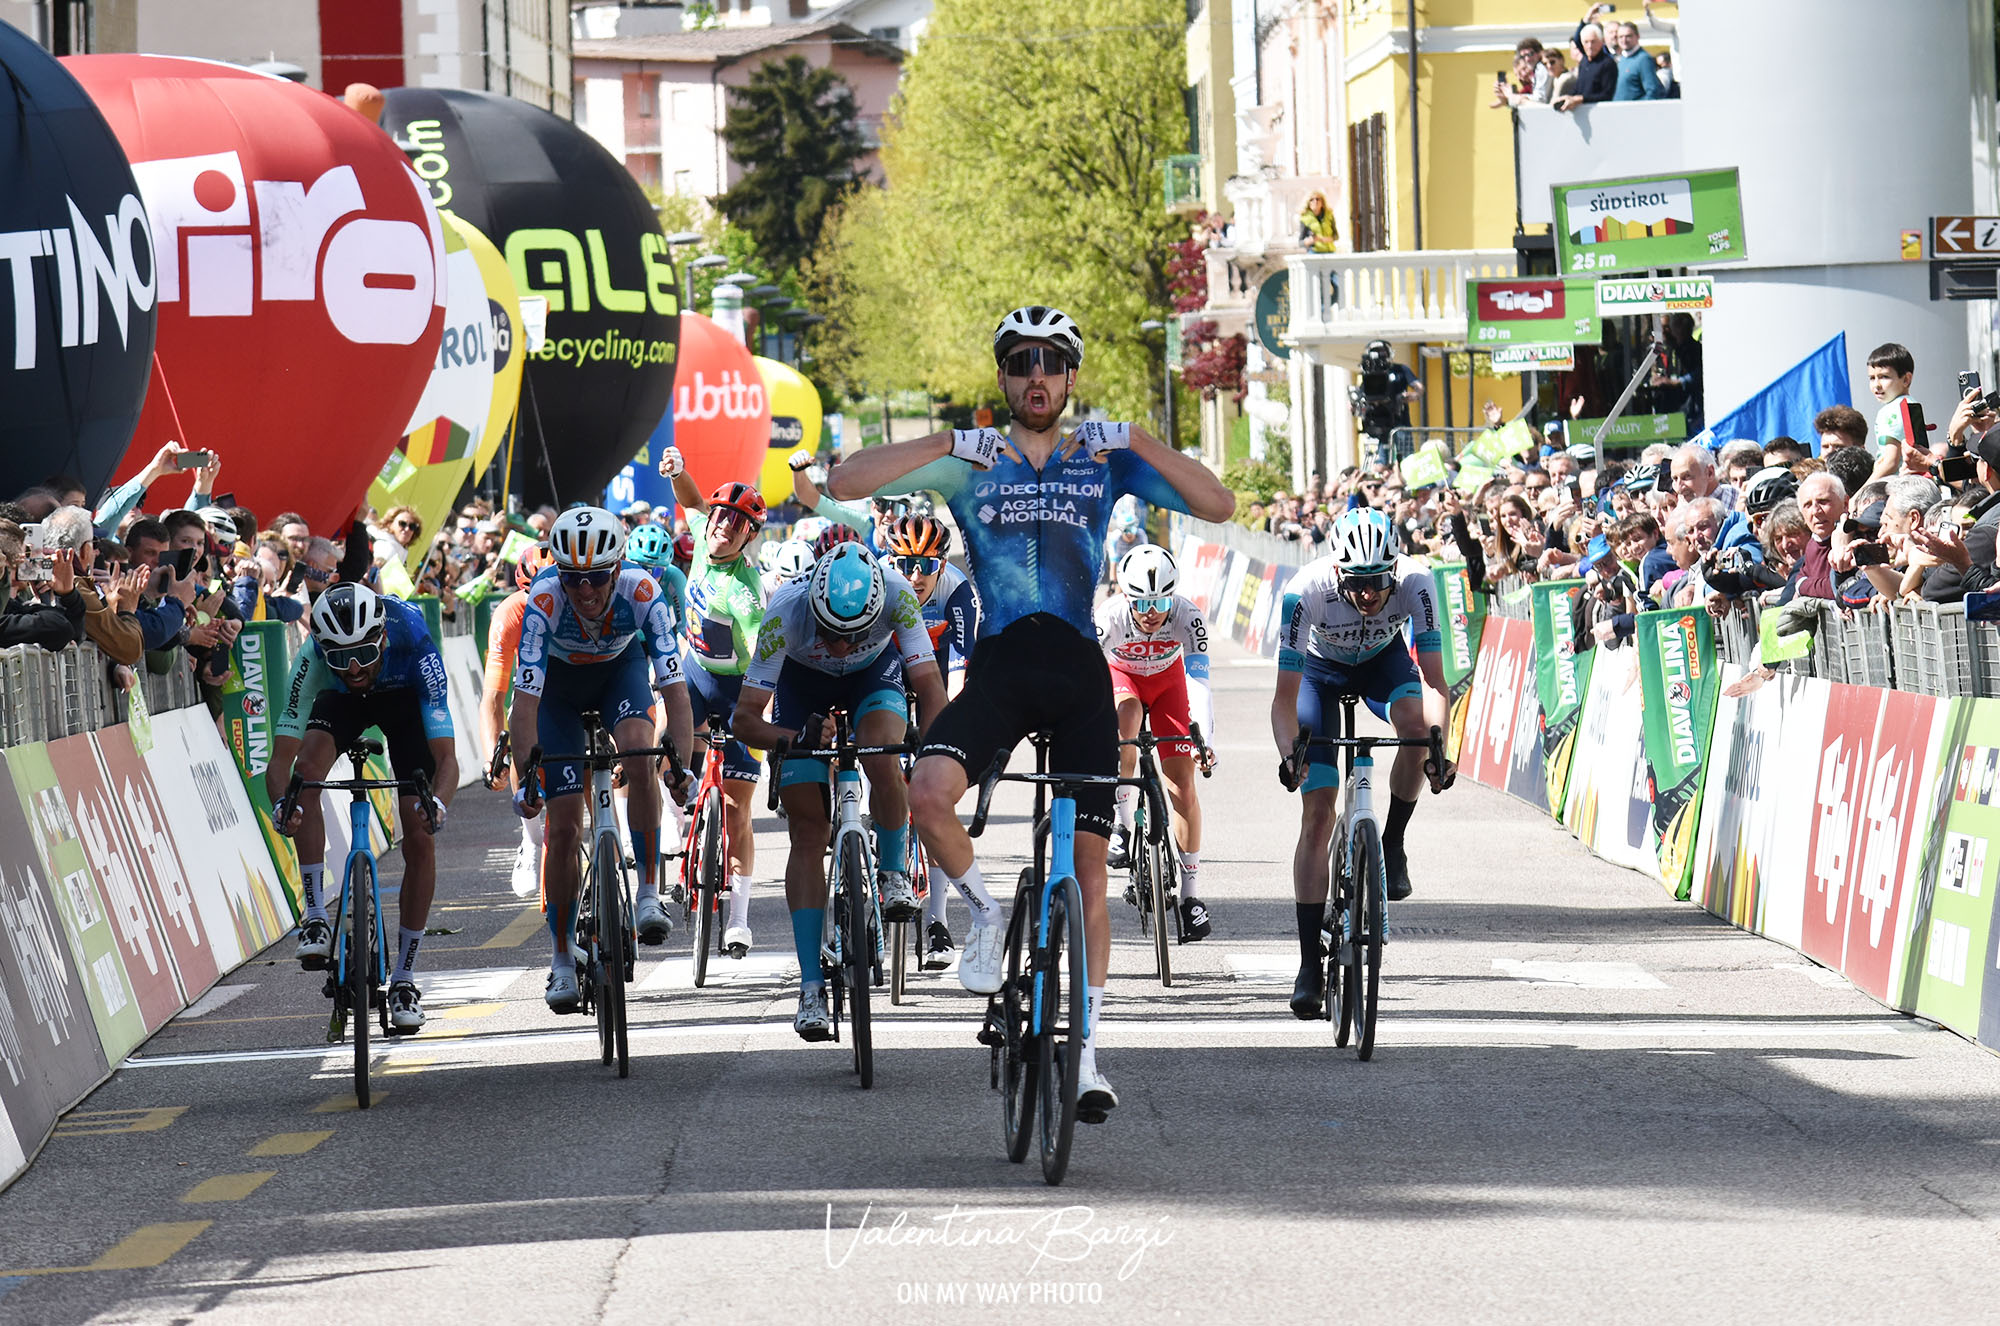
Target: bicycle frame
x,y
360,817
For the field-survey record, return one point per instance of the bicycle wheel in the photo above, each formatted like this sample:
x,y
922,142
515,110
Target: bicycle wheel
x,y
360,966
1364,970
1338,920
855,943
899,959
1020,1066
1163,871
708,885
608,961
1063,1009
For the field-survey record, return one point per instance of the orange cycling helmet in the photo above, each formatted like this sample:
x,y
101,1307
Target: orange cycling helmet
x,y
741,498
531,564
919,536
832,537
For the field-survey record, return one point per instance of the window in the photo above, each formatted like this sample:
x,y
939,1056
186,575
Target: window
x,y
647,92
1367,174
684,184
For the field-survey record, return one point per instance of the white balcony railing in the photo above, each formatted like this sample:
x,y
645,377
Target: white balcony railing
x,y
1344,298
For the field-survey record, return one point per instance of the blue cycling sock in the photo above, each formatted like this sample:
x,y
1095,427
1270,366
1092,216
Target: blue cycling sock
x,y
892,847
646,851
807,923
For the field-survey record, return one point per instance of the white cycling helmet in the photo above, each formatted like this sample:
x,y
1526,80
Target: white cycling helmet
x,y
794,558
347,614
1364,548
1039,322
221,525
767,557
1147,572
808,528
587,538
848,590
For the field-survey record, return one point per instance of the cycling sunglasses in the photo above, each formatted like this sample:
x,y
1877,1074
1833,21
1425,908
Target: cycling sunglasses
x,y
1157,603
594,579
342,657
919,566
1020,363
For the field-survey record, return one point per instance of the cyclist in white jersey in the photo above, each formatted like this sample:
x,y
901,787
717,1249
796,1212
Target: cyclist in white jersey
x,y
1344,620
1157,645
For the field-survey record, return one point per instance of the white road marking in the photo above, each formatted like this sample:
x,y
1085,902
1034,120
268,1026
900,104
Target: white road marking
x,y
1259,662
1260,968
216,997
477,985
756,969
1818,975
1581,975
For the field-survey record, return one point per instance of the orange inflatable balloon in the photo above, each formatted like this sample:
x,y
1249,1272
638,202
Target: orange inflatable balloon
x,y
722,414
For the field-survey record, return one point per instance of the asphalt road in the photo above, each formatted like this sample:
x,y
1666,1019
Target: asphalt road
x,y
1587,1102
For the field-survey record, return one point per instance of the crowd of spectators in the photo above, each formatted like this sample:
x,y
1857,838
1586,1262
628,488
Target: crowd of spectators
x,y
1605,61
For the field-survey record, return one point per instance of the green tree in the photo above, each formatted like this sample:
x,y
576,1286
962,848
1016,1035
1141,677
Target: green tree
x,y
793,130
1023,164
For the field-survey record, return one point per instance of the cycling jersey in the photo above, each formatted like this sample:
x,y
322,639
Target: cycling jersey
x,y
503,641
1034,539
1180,643
790,630
410,663
553,631
951,615
725,601
1321,622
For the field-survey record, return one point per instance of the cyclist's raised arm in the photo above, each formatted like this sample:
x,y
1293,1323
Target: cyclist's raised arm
x,y
840,513
873,469
1194,483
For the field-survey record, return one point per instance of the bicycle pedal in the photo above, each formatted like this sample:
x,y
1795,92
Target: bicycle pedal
x,y
1091,1116
313,963
679,894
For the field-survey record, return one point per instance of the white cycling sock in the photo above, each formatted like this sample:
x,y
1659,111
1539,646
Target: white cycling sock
x,y
972,887
311,880
1190,867
1095,996
406,954
940,895
739,902
531,834
1126,796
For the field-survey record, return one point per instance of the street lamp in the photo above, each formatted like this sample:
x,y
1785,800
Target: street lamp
x,y
745,279
680,239
1166,376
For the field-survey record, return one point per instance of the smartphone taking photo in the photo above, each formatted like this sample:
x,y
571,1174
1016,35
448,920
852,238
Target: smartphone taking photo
x,y
193,460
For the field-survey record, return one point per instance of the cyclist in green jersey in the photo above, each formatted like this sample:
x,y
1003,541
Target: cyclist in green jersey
x,y
725,606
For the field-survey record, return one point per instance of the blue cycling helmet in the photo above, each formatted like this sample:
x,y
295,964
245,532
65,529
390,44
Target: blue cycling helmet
x,y
848,590
650,545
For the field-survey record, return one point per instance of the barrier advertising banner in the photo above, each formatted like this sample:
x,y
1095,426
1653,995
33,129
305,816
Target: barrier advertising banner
x,y
79,902
250,706
1951,922
464,670
1752,856
93,818
1464,613
49,1051
161,873
1605,804
1677,672
1561,676
1495,696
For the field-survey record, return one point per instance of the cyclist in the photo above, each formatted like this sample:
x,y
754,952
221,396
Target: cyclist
x,y
725,602
918,545
1033,504
651,548
684,555
1344,619
789,560
590,626
825,644
1127,532
503,644
370,662
1157,645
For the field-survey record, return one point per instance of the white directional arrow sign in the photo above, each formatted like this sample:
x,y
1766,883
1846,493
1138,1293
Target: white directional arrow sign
x,y
1964,234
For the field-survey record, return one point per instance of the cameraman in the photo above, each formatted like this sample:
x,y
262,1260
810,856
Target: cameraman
x,y
1382,398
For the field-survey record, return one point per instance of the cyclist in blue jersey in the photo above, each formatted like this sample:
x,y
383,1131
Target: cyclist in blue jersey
x,y
371,662
1034,504
590,627
1344,620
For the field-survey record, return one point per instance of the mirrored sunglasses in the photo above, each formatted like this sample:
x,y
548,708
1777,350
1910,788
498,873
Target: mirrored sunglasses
x,y
342,657
919,566
1050,360
1155,603
594,579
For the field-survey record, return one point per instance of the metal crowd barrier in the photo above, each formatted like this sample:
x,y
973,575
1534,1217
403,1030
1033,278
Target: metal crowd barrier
x,y
45,695
1927,648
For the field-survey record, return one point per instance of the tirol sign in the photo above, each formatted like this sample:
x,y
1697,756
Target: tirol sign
x,y
1531,312
1685,218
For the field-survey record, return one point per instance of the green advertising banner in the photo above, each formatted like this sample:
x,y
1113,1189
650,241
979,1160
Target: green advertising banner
x,y
80,901
1464,613
1680,681
1562,680
1531,311
1688,218
251,699
1950,931
1631,430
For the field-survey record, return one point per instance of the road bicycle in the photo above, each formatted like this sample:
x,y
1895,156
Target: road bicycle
x,y
906,938
850,952
705,856
605,944
1036,1024
1153,886
359,969
1356,924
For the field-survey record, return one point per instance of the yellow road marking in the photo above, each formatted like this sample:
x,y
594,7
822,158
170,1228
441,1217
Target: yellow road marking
x,y
341,1104
142,1249
289,1144
229,1187
405,1066
519,930
101,1123
467,1012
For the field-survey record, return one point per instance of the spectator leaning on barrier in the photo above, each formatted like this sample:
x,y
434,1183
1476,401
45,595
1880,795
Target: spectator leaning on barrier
x,y
26,620
1822,502
112,626
1638,73
1562,79
1966,561
1597,74
1532,83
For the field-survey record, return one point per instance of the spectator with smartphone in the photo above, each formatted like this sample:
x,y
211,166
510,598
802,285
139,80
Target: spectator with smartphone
x,y
27,620
1966,554
172,458
68,531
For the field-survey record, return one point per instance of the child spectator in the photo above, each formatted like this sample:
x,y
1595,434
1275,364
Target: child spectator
x,y
1890,368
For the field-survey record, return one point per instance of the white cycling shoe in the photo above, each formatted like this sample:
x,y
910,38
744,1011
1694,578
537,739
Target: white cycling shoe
x,y
981,959
315,943
406,1007
736,941
651,918
899,898
814,1022
1094,1096
563,994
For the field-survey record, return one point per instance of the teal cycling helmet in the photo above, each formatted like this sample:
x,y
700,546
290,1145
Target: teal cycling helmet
x,y
650,545
1364,548
848,590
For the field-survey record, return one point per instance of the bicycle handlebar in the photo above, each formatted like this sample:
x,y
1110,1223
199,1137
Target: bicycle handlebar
x,y
419,785
1291,770
496,767
998,774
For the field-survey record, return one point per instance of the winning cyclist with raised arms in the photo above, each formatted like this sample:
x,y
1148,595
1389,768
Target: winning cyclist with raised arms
x,y
1034,504
1344,616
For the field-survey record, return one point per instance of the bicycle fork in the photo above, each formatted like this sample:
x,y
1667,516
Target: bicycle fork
x,y
359,818
1062,865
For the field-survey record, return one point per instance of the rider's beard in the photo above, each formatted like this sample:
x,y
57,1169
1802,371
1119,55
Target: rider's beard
x,y
1038,418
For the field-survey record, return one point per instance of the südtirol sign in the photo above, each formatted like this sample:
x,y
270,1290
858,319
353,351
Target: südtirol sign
x,y
1681,219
